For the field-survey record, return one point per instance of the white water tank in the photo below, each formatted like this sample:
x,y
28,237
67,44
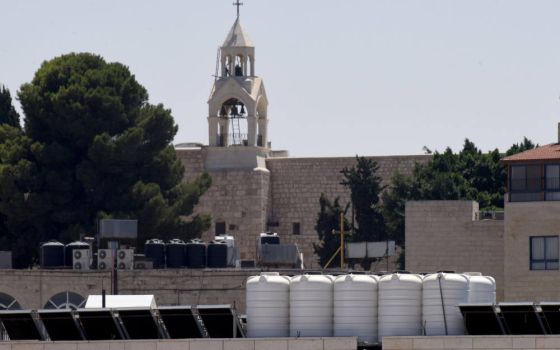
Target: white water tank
x,y
482,289
311,306
267,298
355,307
400,305
441,293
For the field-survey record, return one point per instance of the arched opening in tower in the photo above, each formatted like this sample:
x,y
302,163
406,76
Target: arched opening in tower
x,y
233,126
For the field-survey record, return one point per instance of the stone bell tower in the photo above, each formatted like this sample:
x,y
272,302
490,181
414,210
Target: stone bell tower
x,y
237,114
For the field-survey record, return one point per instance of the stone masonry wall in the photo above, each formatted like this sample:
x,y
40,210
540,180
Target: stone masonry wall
x,y
443,235
524,220
297,184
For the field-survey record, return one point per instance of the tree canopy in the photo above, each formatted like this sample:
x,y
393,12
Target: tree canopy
x,y
8,114
93,147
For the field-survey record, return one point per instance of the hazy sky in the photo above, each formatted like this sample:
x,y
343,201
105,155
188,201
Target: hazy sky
x,y
343,77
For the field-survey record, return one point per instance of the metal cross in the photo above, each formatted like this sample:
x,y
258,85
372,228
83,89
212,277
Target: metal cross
x,y
237,3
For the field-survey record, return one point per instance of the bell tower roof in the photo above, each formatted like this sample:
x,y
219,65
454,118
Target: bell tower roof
x,y
237,37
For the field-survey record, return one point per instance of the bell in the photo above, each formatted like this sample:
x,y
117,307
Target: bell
x,y
242,109
234,110
223,111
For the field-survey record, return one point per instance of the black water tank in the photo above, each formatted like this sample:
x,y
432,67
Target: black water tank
x,y
196,254
175,253
69,251
270,238
155,250
217,254
52,255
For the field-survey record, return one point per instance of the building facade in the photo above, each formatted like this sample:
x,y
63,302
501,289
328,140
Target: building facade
x,y
520,249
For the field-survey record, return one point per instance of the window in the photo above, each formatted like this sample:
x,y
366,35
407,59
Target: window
x,y
220,228
296,228
544,252
525,183
552,183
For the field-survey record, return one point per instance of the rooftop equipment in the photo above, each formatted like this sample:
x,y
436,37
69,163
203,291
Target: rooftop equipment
x,y
69,252
61,325
311,306
217,254
176,253
52,255
268,305
196,254
154,249
355,307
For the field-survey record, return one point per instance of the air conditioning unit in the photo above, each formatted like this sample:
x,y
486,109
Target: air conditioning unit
x,y
125,259
105,259
143,265
81,259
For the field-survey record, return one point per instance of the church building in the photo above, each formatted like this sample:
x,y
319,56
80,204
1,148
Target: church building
x,y
256,189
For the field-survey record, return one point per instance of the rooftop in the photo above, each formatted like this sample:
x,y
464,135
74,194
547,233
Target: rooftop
x,y
546,152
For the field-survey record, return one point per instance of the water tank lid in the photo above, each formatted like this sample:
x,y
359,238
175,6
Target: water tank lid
x,y
472,273
53,243
268,234
270,273
154,241
176,241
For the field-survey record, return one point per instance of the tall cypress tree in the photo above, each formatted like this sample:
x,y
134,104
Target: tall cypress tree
x,y
8,114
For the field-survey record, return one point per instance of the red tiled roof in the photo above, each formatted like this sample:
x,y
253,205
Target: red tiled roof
x,y
546,152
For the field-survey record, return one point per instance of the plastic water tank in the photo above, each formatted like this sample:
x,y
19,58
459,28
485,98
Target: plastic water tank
x,y
217,254
196,254
400,305
230,241
269,238
355,307
175,254
482,289
155,250
52,254
441,293
268,298
69,250
311,306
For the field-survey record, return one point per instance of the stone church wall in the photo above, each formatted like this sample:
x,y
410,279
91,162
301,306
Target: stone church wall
x,y
250,200
297,184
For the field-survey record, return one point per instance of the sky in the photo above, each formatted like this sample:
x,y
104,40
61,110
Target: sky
x,y
365,77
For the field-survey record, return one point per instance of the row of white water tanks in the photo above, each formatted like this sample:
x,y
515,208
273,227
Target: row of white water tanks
x,y
366,306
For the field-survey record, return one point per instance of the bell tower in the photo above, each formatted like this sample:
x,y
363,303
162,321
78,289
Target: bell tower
x,y
237,107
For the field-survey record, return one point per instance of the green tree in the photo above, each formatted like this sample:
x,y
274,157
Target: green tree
x,y
365,190
523,146
328,220
8,114
95,148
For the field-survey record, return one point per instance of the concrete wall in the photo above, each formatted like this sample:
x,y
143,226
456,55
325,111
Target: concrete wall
x,y
472,342
522,221
33,288
337,343
444,235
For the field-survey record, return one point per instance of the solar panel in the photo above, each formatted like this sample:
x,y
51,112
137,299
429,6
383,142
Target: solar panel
x,y
139,323
180,322
99,324
551,312
521,318
220,321
60,324
481,319
20,325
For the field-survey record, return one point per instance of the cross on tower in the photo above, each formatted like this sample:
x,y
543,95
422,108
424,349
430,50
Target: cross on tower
x,y
237,3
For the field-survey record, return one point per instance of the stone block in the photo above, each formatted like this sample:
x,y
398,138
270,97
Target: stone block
x,y
99,345
428,343
524,342
547,342
484,342
346,343
305,344
457,342
27,346
60,346
140,345
397,343
271,344
173,345
206,344
239,344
